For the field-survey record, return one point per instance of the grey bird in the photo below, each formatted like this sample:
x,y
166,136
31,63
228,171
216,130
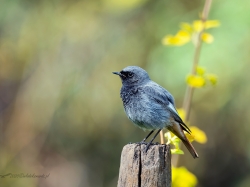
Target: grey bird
x,y
150,106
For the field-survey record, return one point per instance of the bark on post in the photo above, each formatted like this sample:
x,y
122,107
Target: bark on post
x,y
140,169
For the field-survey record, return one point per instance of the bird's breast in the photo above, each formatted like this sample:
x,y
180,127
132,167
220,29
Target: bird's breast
x,y
143,111
128,95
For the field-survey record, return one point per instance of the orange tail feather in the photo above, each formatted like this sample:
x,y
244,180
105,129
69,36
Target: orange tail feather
x,y
178,131
190,148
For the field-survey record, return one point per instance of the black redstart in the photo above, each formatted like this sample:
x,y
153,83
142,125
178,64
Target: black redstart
x,y
150,106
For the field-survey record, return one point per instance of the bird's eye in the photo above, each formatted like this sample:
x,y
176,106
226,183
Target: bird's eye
x,y
130,74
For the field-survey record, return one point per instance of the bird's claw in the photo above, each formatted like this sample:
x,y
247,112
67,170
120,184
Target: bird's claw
x,y
150,143
142,143
147,147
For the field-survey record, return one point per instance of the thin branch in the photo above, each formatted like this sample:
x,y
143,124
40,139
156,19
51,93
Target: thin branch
x,y
162,137
190,90
206,10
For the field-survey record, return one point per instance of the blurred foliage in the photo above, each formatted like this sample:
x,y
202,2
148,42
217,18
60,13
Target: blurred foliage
x,y
181,177
60,111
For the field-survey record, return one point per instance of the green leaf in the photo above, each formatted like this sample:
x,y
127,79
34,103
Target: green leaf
x,y
177,151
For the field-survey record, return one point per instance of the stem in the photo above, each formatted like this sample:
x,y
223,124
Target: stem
x,y
162,137
206,10
190,90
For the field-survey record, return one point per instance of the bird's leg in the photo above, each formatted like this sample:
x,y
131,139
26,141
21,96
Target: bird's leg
x,y
152,139
147,137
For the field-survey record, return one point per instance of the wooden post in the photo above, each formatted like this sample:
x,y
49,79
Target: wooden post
x,y
140,169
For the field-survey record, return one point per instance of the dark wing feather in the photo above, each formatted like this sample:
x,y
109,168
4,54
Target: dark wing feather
x,y
179,120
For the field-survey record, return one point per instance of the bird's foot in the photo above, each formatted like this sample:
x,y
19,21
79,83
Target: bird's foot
x,y
145,143
150,143
147,147
142,143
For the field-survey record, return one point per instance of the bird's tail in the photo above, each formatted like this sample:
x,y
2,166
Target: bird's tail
x,y
190,148
177,129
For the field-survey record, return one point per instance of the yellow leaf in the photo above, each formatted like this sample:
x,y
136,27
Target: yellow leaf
x,y
212,78
195,81
211,24
200,70
199,135
181,177
208,38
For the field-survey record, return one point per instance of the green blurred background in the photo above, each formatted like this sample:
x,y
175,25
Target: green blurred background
x,y
60,110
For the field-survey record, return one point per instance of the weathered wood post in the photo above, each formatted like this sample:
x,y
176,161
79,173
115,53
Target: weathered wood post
x,y
140,169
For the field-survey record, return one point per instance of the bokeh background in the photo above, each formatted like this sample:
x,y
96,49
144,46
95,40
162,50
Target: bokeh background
x,y
60,110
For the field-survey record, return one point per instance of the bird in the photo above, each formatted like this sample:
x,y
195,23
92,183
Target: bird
x,y
150,106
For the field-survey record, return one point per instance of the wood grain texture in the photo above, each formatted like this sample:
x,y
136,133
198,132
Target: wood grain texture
x,y
140,169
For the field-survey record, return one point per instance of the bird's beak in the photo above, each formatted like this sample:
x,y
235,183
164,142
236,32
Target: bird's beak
x,y
118,73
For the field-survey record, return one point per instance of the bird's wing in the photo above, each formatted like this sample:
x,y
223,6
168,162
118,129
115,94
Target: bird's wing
x,y
164,98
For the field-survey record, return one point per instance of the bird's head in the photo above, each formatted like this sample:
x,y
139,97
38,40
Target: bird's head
x,y
133,75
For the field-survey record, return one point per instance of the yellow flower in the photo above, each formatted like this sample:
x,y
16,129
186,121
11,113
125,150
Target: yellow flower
x,y
190,32
186,27
199,80
208,38
211,24
212,78
200,70
181,38
198,135
190,137
195,81
182,113
181,177
199,25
